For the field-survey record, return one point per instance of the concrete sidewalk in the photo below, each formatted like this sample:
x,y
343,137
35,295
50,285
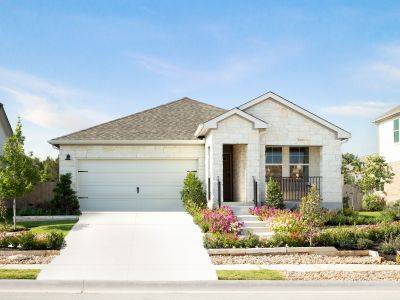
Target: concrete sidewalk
x,y
311,267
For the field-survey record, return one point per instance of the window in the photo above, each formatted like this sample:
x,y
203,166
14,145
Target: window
x,y
396,135
299,162
273,162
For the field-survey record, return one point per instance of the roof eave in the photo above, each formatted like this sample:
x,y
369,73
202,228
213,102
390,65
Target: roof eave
x,y
58,143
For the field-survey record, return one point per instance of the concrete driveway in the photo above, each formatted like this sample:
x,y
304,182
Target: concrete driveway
x,y
132,246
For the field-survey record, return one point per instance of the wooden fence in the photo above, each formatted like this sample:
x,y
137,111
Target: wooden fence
x,y
354,195
43,192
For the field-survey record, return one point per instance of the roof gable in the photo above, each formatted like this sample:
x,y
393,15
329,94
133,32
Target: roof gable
x,y
341,133
5,123
213,123
387,115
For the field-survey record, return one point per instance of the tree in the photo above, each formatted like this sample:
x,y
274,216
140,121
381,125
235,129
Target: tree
x,y
273,195
49,170
65,201
351,164
374,173
193,194
312,213
18,171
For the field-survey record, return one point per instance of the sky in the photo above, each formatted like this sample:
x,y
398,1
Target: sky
x,y
68,65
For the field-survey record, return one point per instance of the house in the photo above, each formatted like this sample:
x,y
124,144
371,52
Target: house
x,y
139,162
389,147
5,127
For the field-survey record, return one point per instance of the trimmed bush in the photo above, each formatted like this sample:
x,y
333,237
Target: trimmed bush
x,y
193,194
273,195
231,240
27,241
373,202
65,201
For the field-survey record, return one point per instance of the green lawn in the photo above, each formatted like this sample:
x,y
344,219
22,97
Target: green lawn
x,y
19,274
63,226
250,275
370,213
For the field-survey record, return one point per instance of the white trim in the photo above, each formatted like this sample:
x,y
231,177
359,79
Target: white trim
x,y
213,123
126,142
341,133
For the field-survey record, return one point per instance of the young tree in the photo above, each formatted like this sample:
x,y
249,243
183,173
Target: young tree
x,y
65,201
273,195
311,211
350,166
374,173
18,171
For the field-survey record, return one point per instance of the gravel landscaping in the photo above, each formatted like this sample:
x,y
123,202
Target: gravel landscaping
x,y
26,259
292,259
343,275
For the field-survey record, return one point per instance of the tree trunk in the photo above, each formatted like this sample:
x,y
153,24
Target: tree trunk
x,y
15,213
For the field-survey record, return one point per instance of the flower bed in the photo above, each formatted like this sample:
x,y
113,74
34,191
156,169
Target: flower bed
x,y
221,220
31,241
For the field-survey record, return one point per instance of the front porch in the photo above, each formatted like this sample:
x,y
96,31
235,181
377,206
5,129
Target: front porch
x,y
294,168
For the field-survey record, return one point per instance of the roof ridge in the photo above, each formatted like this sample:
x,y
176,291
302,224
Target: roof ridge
x,y
137,113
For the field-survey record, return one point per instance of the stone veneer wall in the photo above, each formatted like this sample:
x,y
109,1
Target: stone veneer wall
x,y
288,127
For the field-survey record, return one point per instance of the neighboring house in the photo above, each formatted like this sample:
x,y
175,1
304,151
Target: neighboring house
x,y
5,127
139,162
389,147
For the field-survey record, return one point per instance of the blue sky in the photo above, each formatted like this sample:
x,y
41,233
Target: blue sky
x,y
66,65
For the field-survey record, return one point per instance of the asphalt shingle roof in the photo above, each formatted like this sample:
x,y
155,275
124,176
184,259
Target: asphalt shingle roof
x,y
177,120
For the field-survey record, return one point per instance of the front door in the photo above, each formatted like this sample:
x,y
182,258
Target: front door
x,y
227,177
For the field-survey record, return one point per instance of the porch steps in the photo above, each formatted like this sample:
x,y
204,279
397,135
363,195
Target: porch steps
x,y
241,210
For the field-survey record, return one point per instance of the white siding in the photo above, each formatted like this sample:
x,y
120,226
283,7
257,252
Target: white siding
x,y
387,147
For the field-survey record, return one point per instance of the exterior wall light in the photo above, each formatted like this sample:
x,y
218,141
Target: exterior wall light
x,y
68,157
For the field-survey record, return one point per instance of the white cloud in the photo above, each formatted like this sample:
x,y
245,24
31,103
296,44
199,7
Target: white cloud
x,y
367,109
46,104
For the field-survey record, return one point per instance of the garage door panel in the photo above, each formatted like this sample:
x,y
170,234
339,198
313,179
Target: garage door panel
x,y
145,166
130,205
111,185
134,179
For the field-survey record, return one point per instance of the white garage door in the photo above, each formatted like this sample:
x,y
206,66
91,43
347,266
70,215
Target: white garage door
x,y
132,185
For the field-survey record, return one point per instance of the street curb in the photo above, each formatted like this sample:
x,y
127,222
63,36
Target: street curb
x,y
79,286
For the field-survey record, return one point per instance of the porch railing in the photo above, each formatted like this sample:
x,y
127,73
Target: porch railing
x,y
219,192
255,191
295,188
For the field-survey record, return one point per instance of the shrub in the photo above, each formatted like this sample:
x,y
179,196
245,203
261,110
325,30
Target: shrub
x,y
364,244
283,240
273,195
3,214
344,218
27,241
398,259
387,248
65,201
55,241
30,241
313,215
342,238
373,202
393,209
221,220
231,240
193,194
220,240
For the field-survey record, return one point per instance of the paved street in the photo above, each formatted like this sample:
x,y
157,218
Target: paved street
x,y
132,246
229,290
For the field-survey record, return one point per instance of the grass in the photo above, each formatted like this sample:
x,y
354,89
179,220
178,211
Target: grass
x,y
60,226
370,213
250,275
19,274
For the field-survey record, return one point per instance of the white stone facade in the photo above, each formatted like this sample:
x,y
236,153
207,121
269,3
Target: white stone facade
x,y
286,128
